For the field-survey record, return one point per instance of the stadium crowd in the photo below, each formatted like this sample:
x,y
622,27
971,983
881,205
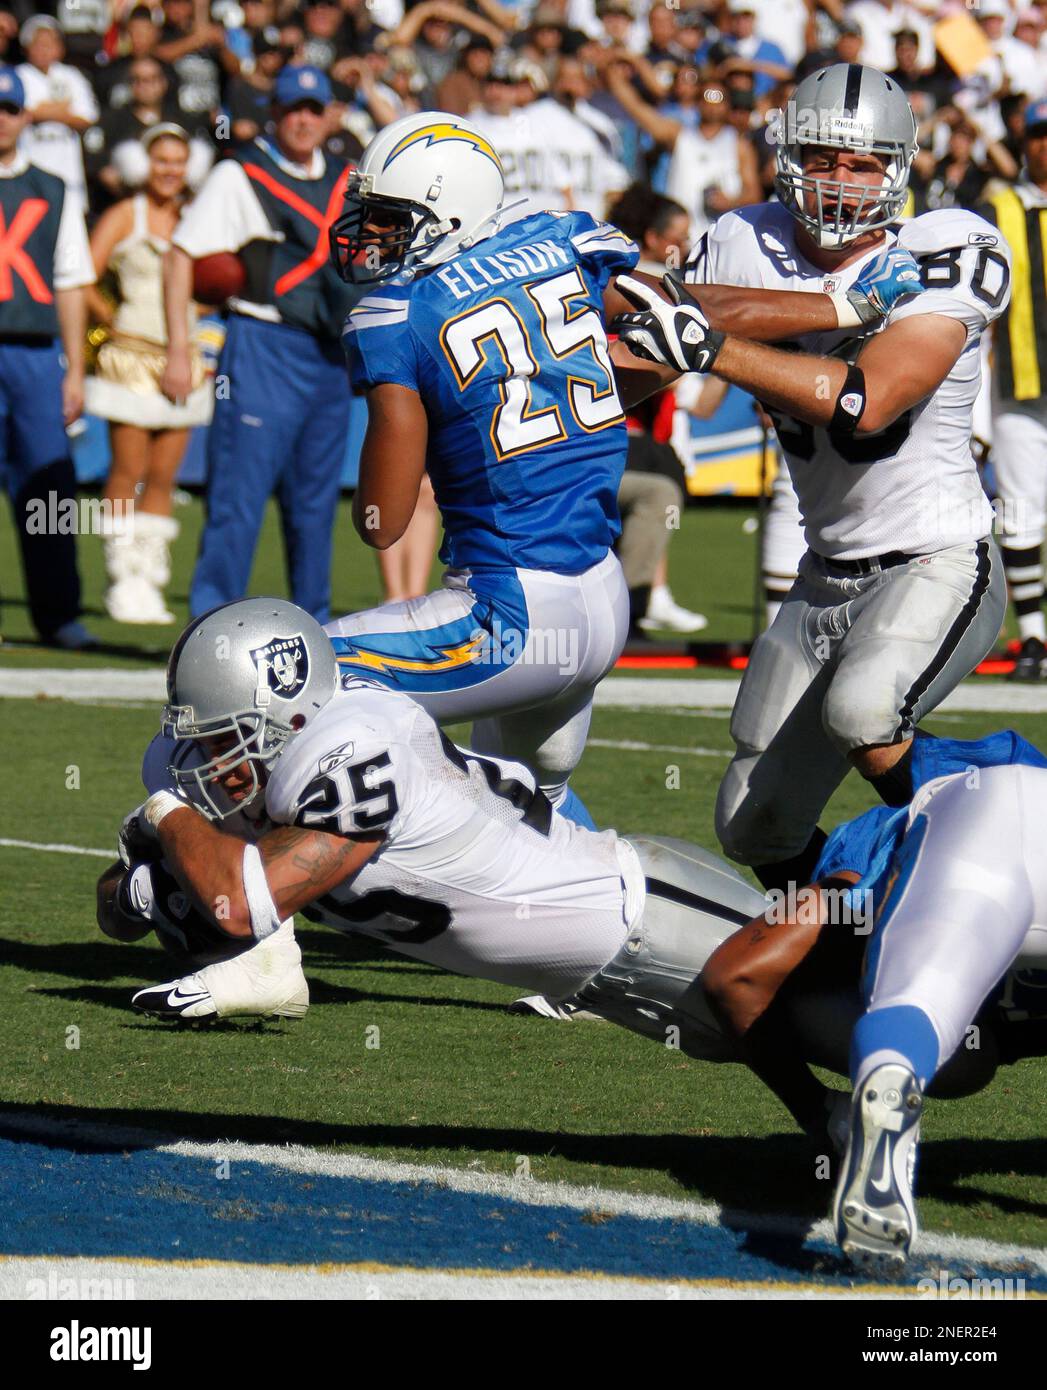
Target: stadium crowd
x,y
585,100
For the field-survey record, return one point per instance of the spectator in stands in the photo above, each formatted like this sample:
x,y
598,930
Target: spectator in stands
x,y
280,426
42,323
200,57
463,89
740,48
880,20
664,45
249,95
325,39
711,170
147,432
925,90
431,29
958,177
61,106
138,38
114,155
652,491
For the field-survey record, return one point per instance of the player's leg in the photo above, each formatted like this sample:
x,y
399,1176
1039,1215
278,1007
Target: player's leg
x,y
1020,464
250,438
954,914
497,645
785,768
310,485
784,545
913,636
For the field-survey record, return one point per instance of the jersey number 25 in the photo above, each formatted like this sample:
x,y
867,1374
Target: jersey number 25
x,y
495,334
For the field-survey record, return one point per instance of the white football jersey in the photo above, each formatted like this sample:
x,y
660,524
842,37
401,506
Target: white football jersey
x,y
476,874
914,486
552,159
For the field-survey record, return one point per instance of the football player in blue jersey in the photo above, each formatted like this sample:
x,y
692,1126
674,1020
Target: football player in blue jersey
x,y
942,897
484,360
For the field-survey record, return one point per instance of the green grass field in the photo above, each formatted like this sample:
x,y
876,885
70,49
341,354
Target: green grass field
x,y
455,1079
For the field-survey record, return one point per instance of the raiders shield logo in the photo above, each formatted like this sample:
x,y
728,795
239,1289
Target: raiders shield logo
x,y
284,663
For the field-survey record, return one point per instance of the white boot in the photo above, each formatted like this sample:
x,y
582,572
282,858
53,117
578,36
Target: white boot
x,y
136,549
156,533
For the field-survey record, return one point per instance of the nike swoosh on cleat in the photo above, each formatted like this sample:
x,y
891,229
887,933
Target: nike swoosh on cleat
x,y
883,1183
177,999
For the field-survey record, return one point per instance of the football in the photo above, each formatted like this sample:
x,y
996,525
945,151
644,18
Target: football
x,y
216,278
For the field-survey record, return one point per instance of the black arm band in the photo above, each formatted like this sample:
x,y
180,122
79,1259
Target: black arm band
x,y
850,403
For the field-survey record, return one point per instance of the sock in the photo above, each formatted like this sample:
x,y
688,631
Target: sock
x,y
573,808
900,1032
798,871
894,787
1024,571
639,598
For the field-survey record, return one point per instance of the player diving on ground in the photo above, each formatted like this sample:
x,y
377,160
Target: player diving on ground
x,y
279,785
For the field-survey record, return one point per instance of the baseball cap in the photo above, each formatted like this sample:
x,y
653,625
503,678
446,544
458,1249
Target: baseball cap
x,y
12,93
741,7
1036,115
301,83
33,25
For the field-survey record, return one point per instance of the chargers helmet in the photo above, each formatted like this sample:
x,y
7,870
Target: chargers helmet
x,y
432,183
259,669
847,107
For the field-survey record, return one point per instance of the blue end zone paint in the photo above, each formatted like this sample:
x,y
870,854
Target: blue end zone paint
x,y
73,1199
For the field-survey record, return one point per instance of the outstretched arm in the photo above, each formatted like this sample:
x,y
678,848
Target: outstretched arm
x,y
300,866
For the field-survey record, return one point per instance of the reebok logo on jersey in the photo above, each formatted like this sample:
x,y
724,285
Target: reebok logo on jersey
x,y
283,665
336,757
981,239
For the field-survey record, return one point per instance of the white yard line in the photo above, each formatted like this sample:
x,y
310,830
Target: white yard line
x,y
688,695
59,849
300,1159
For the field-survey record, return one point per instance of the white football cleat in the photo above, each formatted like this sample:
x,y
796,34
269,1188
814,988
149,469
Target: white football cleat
x,y
874,1213
665,613
265,981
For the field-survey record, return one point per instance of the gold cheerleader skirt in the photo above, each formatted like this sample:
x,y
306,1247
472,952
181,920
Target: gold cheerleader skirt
x,y
125,387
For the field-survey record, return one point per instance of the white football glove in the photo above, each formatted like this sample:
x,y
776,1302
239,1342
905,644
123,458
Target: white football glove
x,y
676,335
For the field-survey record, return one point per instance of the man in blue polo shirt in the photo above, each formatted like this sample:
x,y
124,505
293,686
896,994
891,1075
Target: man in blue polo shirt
x,y
281,405
44,265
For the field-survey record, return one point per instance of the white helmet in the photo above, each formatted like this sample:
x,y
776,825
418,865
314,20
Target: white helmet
x,y
427,187
848,107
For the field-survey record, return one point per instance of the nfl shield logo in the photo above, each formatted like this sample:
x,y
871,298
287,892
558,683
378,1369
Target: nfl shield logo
x,y
284,665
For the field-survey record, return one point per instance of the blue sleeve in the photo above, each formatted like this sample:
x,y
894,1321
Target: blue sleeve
x,y
379,342
940,757
857,844
603,250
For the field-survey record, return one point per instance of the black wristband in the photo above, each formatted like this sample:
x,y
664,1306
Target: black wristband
x,y
850,403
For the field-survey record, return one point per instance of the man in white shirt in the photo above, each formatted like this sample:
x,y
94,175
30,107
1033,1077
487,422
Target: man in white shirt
x,y
60,103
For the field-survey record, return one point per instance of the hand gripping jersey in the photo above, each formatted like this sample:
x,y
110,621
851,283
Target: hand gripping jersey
x,y
476,873
914,486
506,347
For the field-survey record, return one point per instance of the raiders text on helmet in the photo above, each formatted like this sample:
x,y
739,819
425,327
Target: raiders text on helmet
x,y
428,186
255,672
844,107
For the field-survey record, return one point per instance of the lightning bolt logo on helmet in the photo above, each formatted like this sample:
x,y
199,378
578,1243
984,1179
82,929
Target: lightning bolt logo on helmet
x,y
427,187
444,130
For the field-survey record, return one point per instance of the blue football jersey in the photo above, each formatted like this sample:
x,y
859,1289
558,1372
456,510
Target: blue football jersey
x,y
867,843
505,344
